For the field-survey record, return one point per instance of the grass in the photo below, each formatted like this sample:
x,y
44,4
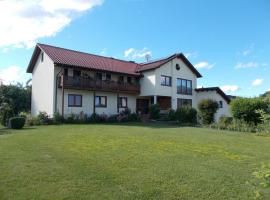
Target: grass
x,y
128,162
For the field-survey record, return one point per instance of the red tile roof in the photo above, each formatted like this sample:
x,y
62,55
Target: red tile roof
x,y
217,89
158,63
73,58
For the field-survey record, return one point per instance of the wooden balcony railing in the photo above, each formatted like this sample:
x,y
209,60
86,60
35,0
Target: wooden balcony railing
x,y
99,85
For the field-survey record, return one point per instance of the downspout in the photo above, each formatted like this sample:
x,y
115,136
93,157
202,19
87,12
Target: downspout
x,y
56,88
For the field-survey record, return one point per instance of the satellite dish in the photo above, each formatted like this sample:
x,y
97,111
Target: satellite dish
x,y
147,57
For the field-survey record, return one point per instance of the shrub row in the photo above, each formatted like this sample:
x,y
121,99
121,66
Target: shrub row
x,y
185,115
44,119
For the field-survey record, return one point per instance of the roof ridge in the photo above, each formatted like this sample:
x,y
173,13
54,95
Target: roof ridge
x,y
88,53
157,60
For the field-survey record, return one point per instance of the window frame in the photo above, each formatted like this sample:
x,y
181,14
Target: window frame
x,y
120,102
220,104
100,105
180,89
166,77
181,102
74,100
108,76
129,80
98,76
121,79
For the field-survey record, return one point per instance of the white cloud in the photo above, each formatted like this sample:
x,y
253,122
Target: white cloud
x,y
191,54
241,65
248,51
204,65
128,52
13,74
23,22
133,53
104,52
230,88
257,82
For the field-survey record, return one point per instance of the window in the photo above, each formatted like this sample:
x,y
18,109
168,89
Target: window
x,y
184,86
220,104
121,79
98,76
42,57
129,79
184,102
108,76
74,100
66,71
122,102
166,80
76,73
101,101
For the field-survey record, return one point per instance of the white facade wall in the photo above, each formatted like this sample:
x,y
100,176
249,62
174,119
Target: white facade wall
x,y
151,82
43,86
88,101
224,111
148,83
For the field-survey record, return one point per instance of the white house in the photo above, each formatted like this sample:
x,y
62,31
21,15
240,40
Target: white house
x,y
68,81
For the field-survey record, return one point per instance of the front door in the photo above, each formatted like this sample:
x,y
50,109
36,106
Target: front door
x,y
142,106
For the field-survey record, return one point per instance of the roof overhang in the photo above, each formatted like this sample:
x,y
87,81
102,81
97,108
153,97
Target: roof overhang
x,y
217,89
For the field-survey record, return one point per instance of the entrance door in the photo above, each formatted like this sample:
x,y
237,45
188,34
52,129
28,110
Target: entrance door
x,y
142,106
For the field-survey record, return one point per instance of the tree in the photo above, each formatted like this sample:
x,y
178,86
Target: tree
x,y
246,109
16,96
207,109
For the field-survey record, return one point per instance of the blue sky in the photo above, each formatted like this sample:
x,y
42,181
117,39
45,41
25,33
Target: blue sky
x,y
228,41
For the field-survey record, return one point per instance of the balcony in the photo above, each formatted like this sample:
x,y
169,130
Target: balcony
x,y
98,85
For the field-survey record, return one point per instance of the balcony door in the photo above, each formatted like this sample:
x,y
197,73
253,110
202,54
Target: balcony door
x,y
76,77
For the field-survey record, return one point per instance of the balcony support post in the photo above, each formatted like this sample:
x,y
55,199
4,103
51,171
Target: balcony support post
x,y
63,92
155,99
94,102
117,101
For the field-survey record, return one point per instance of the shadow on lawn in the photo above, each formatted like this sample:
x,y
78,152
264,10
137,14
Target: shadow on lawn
x,y
155,125
4,130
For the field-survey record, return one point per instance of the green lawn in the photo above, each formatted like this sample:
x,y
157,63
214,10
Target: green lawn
x,y
129,162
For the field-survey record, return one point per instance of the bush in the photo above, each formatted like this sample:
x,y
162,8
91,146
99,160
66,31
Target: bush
x,y
23,114
95,118
207,109
154,111
245,109
112,119
172,115
71,118
16,122
224,122
5,113
186,115
32,121
44,118
236,125
57,118
133,117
